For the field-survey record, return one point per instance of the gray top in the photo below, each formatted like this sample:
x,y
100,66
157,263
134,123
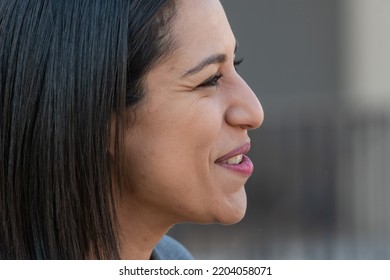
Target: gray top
x,y
170,249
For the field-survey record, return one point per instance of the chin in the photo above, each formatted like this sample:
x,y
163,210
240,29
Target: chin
x,y
233,213
227,211
232,219
224,216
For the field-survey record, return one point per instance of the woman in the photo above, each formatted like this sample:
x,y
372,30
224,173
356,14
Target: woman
x,y
118,120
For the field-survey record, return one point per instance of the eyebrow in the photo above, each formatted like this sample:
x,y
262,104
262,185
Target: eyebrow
x,y
213,59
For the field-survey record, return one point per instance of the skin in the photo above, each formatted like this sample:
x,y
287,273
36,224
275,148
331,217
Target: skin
x,y
182,127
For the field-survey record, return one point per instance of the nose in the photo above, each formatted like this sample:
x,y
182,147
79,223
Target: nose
x,y
244,108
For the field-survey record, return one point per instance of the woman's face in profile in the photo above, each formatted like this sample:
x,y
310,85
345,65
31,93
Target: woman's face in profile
x,y
185,148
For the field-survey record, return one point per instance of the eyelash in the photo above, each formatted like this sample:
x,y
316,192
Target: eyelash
x,y
213,81
237,63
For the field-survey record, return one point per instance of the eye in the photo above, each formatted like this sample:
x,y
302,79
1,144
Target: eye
x,y
237,63
212,81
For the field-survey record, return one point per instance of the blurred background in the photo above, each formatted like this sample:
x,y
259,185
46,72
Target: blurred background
x,y
321,186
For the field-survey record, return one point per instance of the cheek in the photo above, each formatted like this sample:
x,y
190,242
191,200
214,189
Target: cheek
x,y
174,143
201,133
188,127
171,168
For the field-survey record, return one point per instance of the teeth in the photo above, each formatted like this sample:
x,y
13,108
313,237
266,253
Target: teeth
x,y
235,160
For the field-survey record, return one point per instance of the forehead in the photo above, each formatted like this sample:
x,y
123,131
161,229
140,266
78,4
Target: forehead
x,y
201,28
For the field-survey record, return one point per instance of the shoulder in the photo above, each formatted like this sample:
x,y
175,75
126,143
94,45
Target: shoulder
x,y
170,249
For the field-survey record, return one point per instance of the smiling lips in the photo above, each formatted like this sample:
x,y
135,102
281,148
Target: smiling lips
x,y
237,161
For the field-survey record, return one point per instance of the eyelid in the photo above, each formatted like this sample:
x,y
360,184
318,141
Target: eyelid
x,y
212,81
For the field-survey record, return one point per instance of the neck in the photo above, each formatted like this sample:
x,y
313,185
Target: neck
x,y
139,231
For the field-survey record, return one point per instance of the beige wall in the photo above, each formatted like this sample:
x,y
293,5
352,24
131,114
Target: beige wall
x,y
365,39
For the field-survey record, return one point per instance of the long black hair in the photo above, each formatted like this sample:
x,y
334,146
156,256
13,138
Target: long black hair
x,y
66,66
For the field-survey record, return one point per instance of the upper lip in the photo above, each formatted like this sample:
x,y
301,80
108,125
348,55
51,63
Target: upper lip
x,y
242,150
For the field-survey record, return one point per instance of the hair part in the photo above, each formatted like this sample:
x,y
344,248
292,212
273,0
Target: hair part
x,y
65,68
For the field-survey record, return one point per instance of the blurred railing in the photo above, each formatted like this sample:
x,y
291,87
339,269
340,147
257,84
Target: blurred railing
x,y
320,191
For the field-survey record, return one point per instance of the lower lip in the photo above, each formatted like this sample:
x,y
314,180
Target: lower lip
x,y
245,167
